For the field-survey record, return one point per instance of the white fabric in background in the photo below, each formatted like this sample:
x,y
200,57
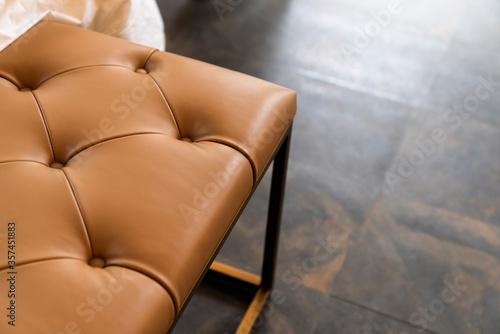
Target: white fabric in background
x,y
139,21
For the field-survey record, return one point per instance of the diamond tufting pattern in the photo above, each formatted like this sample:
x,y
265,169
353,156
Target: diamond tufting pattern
x,y
122,168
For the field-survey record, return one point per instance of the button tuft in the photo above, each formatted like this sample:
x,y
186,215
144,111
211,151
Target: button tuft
x,y
25,89
97,262
141,70
186,139
57,165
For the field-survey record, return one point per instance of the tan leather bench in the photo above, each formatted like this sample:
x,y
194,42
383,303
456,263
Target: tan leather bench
x,y
122,171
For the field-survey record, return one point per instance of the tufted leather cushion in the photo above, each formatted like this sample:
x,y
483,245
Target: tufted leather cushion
x,y
122,168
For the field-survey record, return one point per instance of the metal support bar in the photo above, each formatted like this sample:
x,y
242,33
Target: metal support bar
x,y
274,214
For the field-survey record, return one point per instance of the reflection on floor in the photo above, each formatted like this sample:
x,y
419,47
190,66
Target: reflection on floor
x,y
392,216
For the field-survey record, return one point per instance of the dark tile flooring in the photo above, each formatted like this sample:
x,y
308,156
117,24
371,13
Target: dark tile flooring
x,y
392,183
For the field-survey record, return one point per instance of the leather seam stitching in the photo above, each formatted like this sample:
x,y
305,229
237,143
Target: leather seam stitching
x,y
80,209
45,124
113,265
111,139
80,68
168,105
27,263
20,161
9,80
235,147
153,51
167,289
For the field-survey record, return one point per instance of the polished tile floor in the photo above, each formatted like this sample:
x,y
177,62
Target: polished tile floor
x,y
392,215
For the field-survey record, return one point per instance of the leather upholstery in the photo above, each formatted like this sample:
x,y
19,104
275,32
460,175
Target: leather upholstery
x,y
123,168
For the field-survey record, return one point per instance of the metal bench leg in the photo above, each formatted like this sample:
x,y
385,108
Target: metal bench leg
x,y
265,282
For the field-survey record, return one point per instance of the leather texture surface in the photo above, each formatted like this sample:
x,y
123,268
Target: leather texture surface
x,y
122,168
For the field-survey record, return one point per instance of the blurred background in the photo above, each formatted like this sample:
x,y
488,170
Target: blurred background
x,y
392,215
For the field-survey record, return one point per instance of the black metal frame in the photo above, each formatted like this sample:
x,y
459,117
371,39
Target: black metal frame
x,y
241,278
